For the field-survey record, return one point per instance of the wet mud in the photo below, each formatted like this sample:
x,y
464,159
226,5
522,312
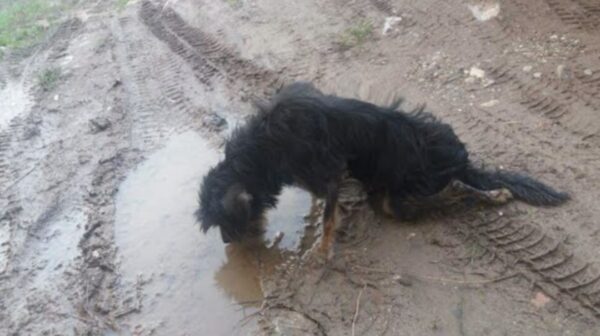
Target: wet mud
x,y
99,173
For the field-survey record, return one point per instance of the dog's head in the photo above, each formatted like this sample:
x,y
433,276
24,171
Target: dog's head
x,y
225,203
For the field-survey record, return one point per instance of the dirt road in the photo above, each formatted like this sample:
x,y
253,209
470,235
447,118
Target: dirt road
x,y
107,126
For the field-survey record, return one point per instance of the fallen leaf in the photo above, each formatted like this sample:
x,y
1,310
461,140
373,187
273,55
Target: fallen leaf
x,y
540,300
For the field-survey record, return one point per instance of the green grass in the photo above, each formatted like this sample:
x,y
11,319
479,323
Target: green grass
x,y
121,4
356,35
23,22
234,3
48,79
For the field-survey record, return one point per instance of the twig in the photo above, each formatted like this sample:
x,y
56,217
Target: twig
x,y
357,308
446,280
468,282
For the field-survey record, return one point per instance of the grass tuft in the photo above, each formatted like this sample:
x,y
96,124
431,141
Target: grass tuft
x,y
48,79
356,35
121,4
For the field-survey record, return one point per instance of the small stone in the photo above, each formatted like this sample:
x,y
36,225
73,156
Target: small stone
x,y
476,72
116,83
56,97
99,124
83,159
588,72
402,280
488,82
389,22
540,300
527,68
554,37
537,75
485,12
560,71
214,122
490,103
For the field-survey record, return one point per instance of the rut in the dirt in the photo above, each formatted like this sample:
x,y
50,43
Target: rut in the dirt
x,y
208,57
543,259
581,14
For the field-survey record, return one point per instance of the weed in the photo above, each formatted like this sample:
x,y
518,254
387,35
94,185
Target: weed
x,y
356,34
234,3
48,79
121,4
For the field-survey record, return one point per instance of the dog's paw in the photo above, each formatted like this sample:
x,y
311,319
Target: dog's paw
x,y
500,196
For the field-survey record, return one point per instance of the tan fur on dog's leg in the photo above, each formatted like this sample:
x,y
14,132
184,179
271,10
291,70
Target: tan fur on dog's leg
x,y
328,239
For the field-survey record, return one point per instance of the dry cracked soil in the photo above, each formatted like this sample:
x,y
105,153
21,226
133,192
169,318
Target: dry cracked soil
x,y
100,166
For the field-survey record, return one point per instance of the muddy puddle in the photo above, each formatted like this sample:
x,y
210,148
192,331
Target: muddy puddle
x,y
192,283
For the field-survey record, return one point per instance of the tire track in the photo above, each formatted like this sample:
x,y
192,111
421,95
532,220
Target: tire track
x,y
208,58
25,77
543,259
566,92
572,102
146,73
580,14
138,69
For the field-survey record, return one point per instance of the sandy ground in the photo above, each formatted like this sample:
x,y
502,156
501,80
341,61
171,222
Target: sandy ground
x,y
99,173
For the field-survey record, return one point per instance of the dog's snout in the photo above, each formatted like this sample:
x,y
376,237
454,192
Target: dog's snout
x,y
225,236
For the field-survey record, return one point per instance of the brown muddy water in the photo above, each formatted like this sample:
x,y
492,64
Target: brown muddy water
x,y
192,283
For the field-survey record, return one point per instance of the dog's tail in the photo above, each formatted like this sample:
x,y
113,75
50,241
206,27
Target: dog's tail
x,y
523,187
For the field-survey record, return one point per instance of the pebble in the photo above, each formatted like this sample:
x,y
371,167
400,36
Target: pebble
x,y
99,124
490,103
476,72
560,71
402,280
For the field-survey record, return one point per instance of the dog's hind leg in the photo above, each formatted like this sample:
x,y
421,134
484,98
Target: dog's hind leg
x,y
330,218
462,190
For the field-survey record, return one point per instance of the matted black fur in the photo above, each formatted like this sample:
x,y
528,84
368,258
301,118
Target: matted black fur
x,y
306,138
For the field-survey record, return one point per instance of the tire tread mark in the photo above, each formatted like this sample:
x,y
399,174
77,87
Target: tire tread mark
x,y
207,56
577,13
543,259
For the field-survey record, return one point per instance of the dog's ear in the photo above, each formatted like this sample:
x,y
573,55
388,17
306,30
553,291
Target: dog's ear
x,y
236,202
204,223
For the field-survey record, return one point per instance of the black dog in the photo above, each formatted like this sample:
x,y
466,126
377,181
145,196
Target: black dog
x,y
309,139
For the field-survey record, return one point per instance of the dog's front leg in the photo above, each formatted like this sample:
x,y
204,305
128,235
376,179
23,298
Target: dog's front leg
x,y
330,218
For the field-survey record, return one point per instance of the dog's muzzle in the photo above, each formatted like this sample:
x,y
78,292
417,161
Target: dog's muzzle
x,y
226,237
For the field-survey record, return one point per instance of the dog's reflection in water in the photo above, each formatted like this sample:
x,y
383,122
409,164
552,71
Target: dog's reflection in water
x,y
247,264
